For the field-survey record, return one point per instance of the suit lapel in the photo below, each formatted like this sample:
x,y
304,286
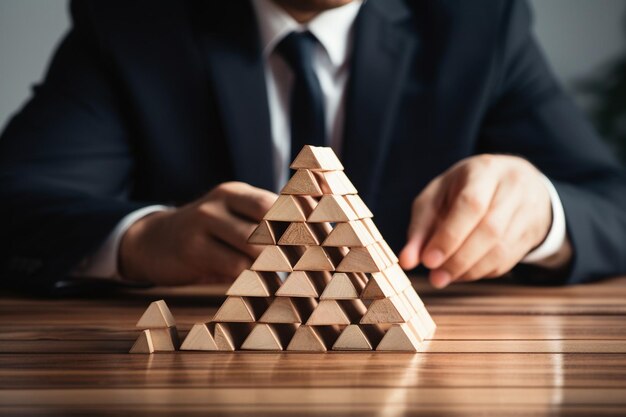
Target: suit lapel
x,y
382,54
229,41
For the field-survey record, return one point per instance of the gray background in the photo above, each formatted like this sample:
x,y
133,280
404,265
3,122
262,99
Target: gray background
x,y
579,37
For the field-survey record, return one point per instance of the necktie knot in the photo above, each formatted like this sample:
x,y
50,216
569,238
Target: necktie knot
x,y
297,49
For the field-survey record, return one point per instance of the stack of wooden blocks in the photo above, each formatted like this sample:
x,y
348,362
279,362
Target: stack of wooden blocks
x,y
344,290
159,334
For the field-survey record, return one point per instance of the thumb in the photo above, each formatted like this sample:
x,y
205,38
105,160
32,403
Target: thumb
x,y
423,218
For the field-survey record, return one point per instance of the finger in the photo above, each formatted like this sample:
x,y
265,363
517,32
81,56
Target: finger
x,y
467,208
223,261
423,216
490,230
248,201
232,230
503,256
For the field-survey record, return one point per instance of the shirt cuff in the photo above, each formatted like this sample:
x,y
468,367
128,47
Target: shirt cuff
x,y
557,235
103,262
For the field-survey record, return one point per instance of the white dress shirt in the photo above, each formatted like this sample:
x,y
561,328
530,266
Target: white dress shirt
x,y
334,31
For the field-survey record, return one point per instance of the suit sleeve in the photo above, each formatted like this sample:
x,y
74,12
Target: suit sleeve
x,y
532,117
65,165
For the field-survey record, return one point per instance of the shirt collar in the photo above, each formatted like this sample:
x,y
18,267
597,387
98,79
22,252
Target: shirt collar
x,y
331,27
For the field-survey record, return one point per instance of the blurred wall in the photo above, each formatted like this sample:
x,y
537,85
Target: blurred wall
x,y
578,36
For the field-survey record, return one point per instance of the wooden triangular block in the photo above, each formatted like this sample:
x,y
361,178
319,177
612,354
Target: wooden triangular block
x,y
328,312
342,286
390,254
316,158
230,336
262,337
315,258
255,284
302,183
240,309
332,208
286,209
165,339
263,234
352,338
199,338
359,207
282,310
156,315
143,344
387,310
298,284
347,184
413,299
299,234
333,182
364,259
371,227
307,339
269,336
223,338
377,287
272,259
399,337
397,278
380,253
352,234
428,324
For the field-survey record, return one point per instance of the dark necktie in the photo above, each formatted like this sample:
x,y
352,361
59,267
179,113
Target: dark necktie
x,y
308,125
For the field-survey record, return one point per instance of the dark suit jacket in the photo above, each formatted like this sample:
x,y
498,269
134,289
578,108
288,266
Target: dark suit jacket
x,y
158,101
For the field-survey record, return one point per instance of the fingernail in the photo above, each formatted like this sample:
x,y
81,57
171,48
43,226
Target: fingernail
x,y
440,278
433,258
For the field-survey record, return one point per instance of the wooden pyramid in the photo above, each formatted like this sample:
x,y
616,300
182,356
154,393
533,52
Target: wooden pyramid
x,y
345,289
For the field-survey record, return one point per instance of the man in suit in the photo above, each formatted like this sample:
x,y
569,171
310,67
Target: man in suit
x,y
444,113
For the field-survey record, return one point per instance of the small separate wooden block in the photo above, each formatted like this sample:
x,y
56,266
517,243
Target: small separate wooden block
x,y
143,344
165,339
199,338
157,315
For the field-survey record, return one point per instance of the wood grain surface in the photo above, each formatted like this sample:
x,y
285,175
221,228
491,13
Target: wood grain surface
x,y
500,349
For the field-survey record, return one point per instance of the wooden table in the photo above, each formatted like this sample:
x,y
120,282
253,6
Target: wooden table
x,y
500,349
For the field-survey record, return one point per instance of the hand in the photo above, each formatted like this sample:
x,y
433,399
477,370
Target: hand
x,y
202,241
478,219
